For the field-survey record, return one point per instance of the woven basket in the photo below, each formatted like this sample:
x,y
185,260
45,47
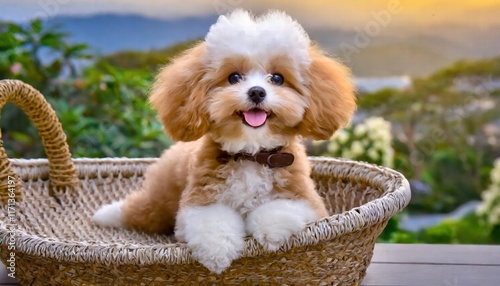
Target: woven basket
x,y
56,242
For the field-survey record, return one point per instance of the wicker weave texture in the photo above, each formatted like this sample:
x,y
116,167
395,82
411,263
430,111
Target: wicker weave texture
x,y
57,243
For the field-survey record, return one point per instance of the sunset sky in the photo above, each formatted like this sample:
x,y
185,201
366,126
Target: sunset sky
x,y
317,13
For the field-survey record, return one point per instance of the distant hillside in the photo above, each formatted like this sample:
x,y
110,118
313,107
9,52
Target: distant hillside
x,y
150,60
398,59
396,51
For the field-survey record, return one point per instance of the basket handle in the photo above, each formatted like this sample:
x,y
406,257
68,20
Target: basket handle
x,y
62,171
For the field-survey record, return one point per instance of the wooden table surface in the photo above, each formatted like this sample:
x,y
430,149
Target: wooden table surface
x,y
434,265
420,265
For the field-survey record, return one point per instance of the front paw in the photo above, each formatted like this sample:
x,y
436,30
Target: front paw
x,y
216,252
273,223
214,234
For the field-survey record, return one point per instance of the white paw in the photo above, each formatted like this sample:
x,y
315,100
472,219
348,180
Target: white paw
x,y
273,223
109,215
214,234
216,252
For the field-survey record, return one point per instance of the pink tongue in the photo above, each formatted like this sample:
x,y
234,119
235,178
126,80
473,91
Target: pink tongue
x,y
255,117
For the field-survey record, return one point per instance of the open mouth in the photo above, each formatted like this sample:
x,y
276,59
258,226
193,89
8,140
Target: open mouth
x,y
254,117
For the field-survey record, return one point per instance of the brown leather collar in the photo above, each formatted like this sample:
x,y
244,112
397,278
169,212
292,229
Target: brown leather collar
x,y
272,158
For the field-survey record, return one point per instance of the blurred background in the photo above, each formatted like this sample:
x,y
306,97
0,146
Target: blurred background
x,y
427,74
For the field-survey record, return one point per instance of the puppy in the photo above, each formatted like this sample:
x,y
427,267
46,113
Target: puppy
x,y
239,103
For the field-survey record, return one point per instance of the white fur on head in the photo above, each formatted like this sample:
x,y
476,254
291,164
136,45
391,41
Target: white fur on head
x,y
272,34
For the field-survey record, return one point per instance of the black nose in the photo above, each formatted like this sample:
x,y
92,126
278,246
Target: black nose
x,y
257,94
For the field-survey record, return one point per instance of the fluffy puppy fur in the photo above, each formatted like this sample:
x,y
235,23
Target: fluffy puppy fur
x,y
204,101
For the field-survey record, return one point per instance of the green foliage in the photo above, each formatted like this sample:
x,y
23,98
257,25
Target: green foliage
x,y
394,234
451,183
495,234
123,122
109,116
486,67
441,234
441,124
471,229
104,111
21,55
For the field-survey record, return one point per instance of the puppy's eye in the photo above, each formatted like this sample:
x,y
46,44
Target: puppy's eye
x,y
277,79
234,78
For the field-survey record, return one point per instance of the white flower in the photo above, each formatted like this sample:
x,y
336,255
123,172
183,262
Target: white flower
x,y
383,135
359,130
365,143
495,178
388,157
357,148
491,197
333,147
494,217
370,140
372,154
489,194
376,123
495,173
379,129
342,136
378,145
482,209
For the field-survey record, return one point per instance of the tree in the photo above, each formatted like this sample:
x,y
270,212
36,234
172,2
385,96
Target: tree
x,y
72,53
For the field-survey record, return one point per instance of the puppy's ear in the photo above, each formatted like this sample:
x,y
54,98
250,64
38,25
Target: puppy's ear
x,y
332,101
179,96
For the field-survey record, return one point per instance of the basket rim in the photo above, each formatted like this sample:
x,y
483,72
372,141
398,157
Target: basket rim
x,y
396,196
